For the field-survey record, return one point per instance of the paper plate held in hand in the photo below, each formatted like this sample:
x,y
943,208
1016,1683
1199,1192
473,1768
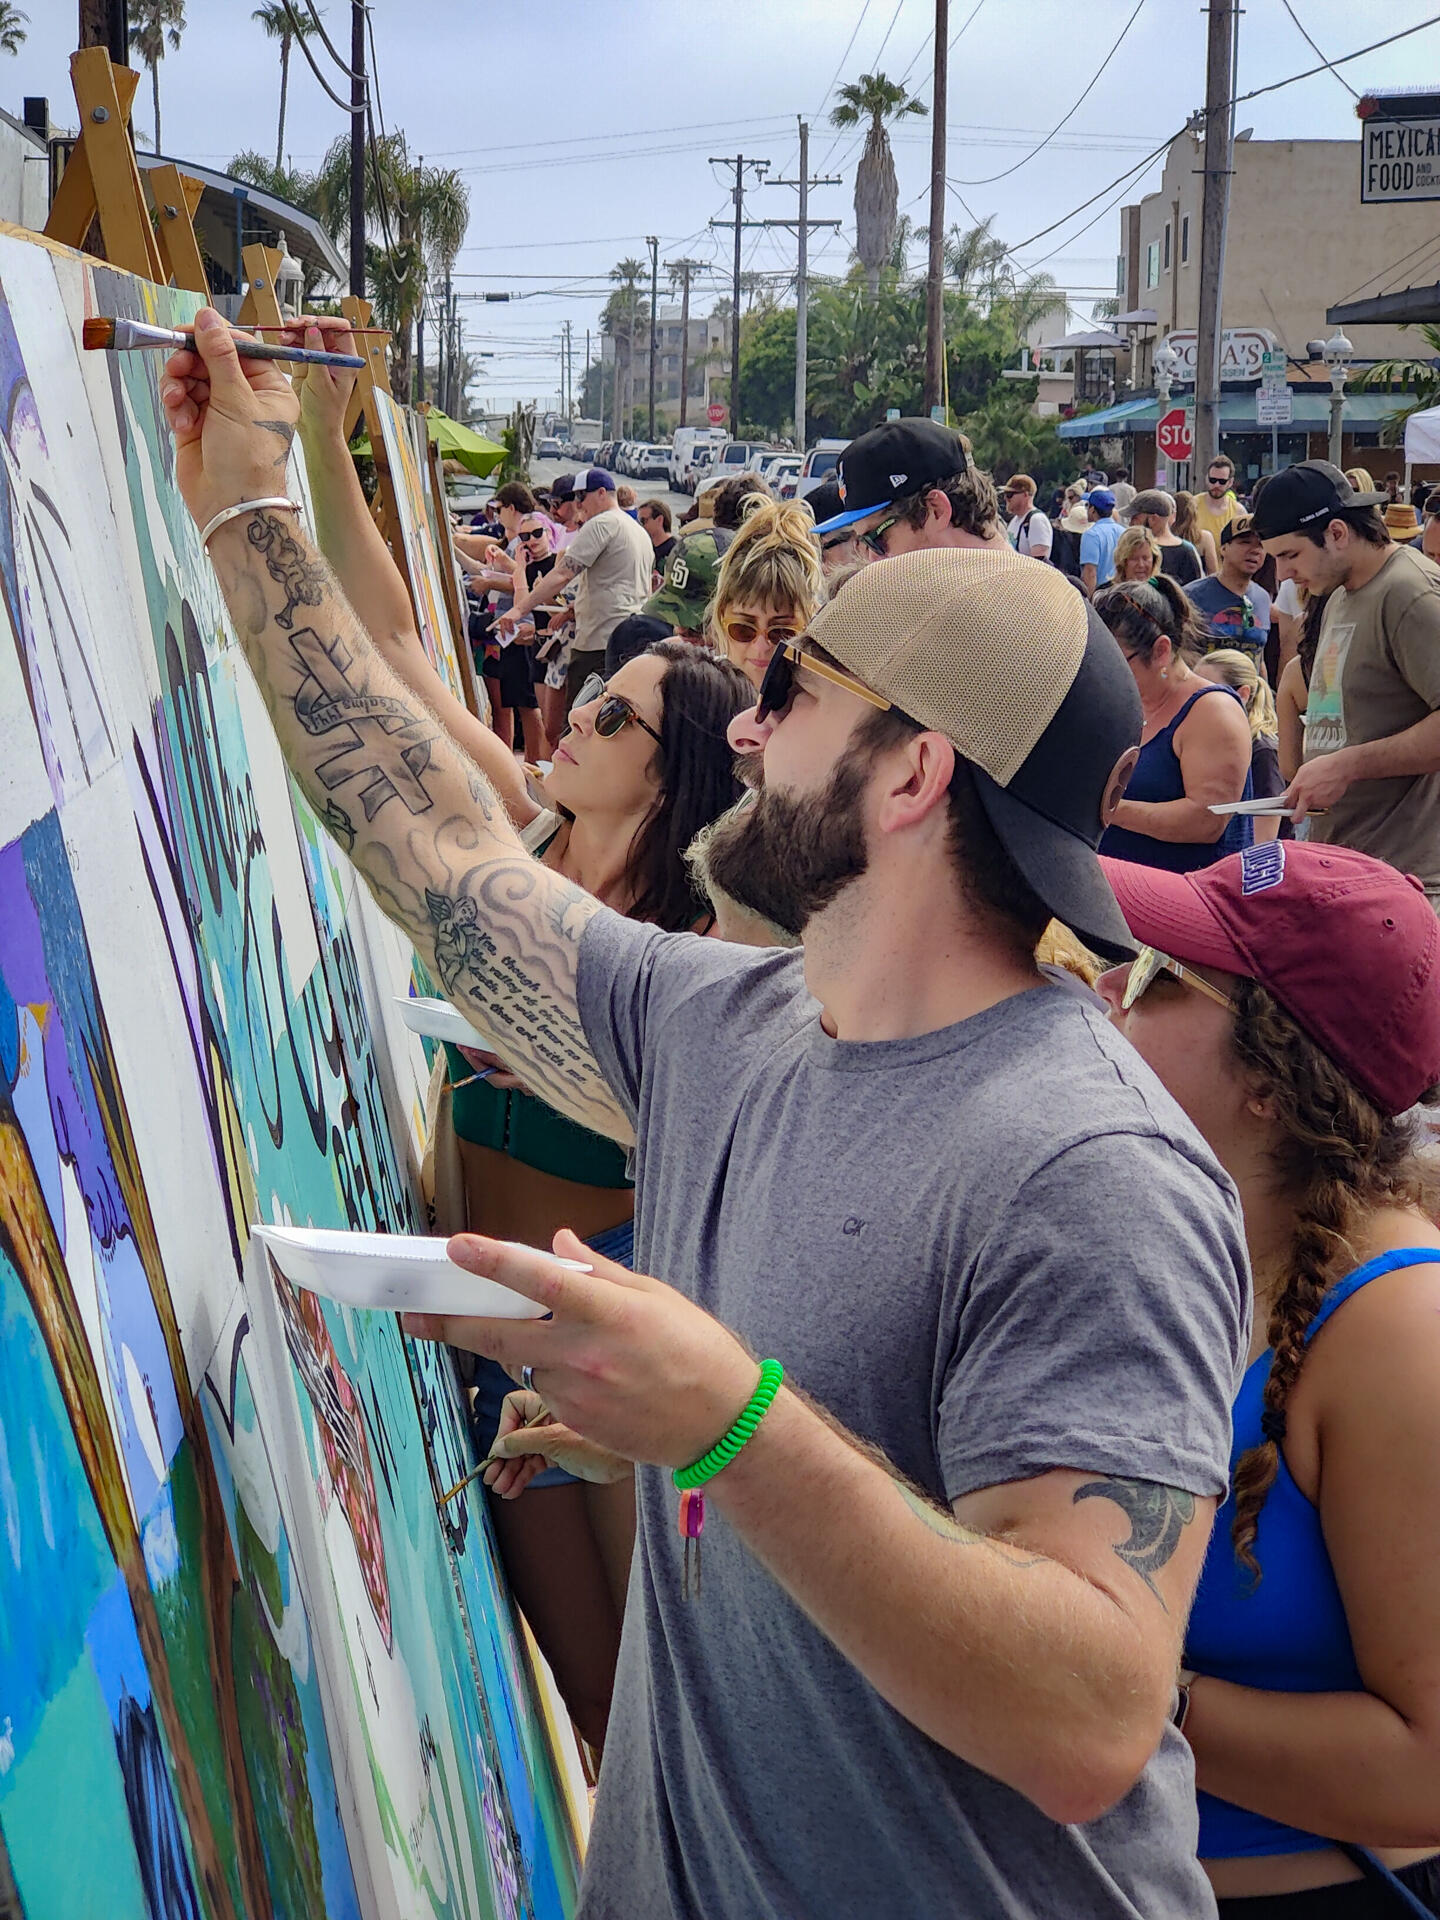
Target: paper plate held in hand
x,y
397,1272
438,1020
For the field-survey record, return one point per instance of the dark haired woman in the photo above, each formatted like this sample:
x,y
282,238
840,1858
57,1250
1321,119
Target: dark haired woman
x,y
1297,1024
1195,747
644,766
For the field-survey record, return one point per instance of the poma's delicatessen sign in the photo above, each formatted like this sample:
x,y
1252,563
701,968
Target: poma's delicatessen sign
x,y
1400,146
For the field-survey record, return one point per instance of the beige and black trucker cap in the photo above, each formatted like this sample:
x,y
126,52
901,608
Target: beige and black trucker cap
x,y
1003,656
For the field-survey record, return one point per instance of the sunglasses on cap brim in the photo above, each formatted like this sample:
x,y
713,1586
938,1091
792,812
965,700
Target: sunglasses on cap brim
x,y
777,689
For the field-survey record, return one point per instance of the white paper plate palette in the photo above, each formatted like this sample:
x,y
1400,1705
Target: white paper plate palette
x,y
397,1272
438,1020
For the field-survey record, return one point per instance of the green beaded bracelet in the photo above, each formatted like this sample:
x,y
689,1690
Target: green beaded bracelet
x,y
726,1448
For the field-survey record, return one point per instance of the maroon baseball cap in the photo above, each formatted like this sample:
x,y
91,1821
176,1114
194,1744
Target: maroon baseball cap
x,y
1349,947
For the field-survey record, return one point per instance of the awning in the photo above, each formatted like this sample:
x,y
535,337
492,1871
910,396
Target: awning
x,y
1137,317
306,239
1082,342
1310,414
1410,306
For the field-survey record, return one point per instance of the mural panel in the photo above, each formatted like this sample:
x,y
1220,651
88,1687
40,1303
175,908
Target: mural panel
x,y
233,1619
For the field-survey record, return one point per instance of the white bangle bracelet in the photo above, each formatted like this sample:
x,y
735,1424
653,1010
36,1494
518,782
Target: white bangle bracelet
x,y
246,506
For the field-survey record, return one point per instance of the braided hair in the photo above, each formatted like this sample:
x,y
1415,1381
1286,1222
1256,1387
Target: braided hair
x,y
1340,1157
1141,612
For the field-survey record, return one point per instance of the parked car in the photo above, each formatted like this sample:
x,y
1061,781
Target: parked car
x,y
549,449
819,463
780,471
699,463
683,443
734,457
652,463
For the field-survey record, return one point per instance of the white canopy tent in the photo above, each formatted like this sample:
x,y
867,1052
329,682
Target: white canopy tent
x,y
1422,438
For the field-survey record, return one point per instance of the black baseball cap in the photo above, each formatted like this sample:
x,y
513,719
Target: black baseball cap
x,y
825,501
899,458
563,487
1307,495
1242,529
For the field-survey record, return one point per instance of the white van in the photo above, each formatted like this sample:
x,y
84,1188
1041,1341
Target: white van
x,y
683,443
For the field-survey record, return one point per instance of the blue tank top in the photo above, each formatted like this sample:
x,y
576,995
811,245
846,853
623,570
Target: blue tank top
x,y
1288,1632
1158,776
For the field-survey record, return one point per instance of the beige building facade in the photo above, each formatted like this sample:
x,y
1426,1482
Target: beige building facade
x,y
1298,241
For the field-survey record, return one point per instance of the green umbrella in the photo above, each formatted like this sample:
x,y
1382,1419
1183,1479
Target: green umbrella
x,y
474,452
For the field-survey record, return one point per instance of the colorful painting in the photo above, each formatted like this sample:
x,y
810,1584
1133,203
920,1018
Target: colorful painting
x,y
400,434
237,1626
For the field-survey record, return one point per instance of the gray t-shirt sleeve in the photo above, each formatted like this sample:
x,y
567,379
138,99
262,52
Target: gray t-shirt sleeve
x,y
632,978
1103,1327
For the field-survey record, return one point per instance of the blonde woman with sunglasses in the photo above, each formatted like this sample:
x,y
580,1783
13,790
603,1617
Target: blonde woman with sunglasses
x,y
770,585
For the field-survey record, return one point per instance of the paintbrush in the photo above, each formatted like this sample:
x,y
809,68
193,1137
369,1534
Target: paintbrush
x,y
125,336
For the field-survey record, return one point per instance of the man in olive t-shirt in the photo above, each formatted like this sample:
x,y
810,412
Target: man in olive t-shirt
x,y
1371,774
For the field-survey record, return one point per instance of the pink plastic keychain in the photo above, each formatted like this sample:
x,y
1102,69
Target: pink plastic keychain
x,y
691,1524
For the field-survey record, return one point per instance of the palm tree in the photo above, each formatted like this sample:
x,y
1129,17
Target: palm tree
x,y
154,24
12,34
877,99
416,218
976,258
623,305
1417,378
286,27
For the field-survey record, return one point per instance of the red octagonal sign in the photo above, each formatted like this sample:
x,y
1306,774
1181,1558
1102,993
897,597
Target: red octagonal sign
x,y
717,413
1173,436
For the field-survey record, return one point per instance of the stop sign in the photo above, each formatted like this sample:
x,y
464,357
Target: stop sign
x,y
1173,436
717,414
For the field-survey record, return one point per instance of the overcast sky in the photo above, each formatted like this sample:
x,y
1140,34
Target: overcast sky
x,y
581,129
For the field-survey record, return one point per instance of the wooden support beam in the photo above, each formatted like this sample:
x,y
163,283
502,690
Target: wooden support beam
x,y
176,197
107,184
261,305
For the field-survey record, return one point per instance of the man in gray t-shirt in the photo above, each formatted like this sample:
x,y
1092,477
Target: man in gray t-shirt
x,y
931,1662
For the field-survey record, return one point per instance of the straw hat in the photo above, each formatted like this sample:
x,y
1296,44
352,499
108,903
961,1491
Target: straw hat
x,y
1400,521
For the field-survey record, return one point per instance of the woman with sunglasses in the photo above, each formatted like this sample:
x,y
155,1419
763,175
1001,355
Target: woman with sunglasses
x,y
1298,1025
644,766
1195,748
770,585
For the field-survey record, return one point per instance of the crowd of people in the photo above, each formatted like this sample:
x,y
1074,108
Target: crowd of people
x,y
1001,1179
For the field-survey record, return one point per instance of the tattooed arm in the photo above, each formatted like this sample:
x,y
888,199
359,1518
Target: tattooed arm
x,y
1035,1630
421,823
369,578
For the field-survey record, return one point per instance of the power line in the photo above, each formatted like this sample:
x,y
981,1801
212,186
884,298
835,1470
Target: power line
x,y
839,64
588,139
1315,50
344,65
300,40
989,179
1329,66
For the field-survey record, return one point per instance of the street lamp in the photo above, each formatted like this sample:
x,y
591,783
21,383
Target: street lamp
x,y
1337,353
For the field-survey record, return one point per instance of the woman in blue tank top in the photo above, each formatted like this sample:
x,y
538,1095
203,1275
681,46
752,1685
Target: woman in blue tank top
x,y
1194,750
1297,1023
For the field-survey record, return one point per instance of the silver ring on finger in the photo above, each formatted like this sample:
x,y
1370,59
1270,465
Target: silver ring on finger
x,y
527,1379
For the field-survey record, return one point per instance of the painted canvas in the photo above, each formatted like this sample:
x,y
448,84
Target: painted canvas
x,y
397,431
236,1623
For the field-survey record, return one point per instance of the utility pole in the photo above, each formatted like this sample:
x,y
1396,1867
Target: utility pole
x,y
652,242
106,23
684,269
935,282
1214,211
357,148
802,269
737,194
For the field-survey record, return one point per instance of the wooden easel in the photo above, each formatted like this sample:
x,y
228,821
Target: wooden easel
x,y
374,377
102,182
